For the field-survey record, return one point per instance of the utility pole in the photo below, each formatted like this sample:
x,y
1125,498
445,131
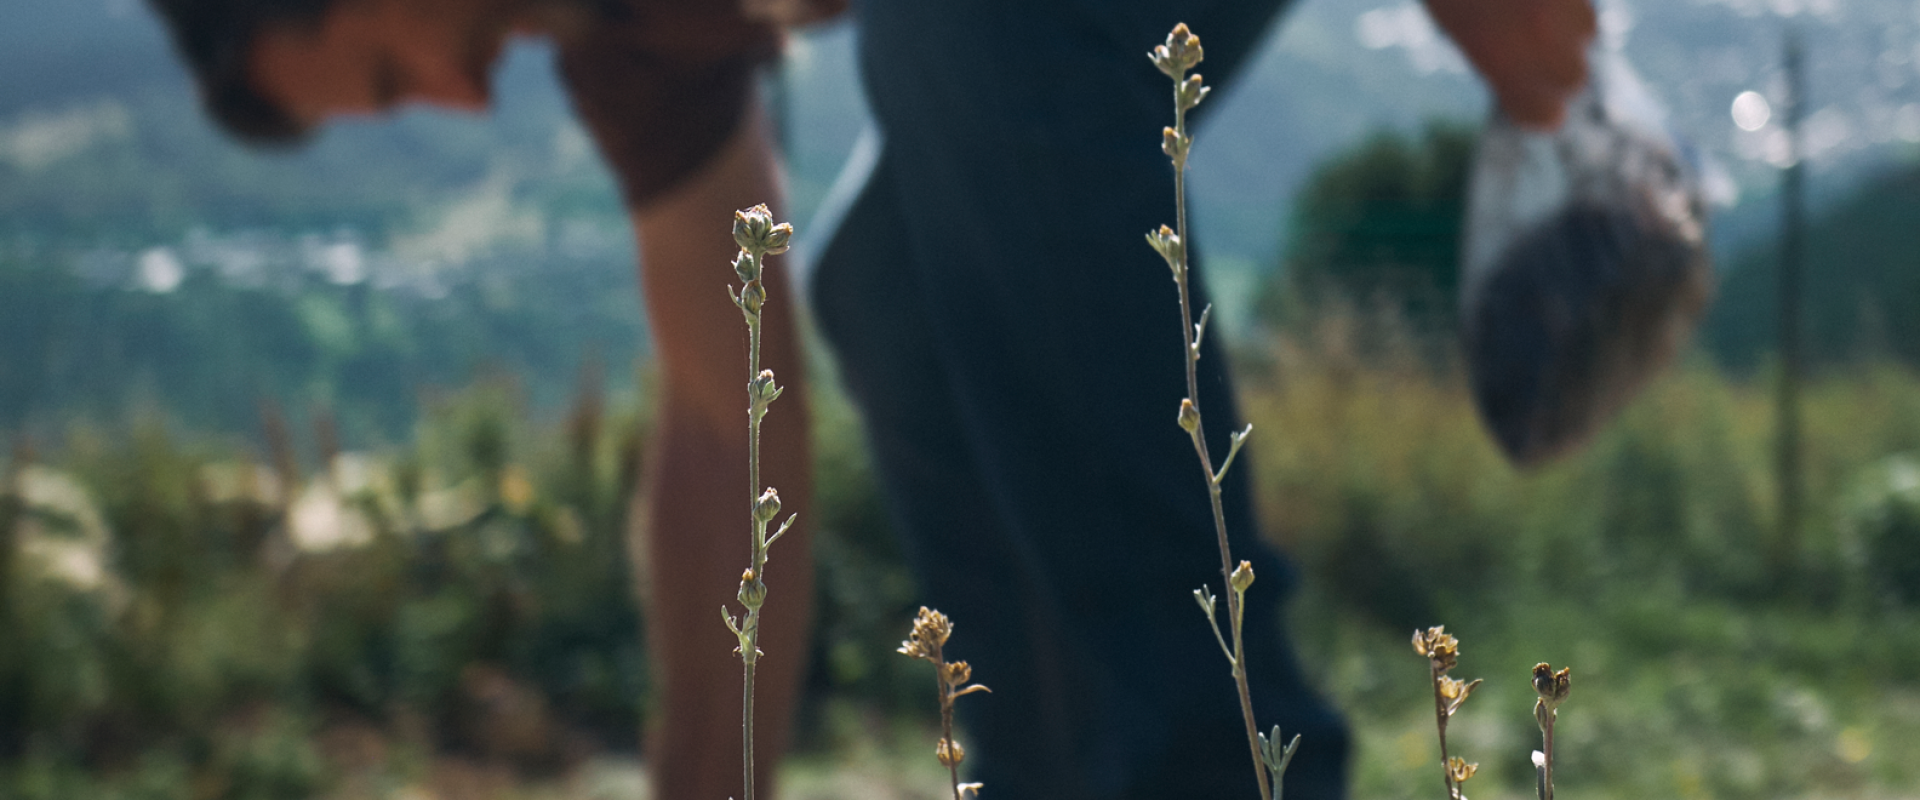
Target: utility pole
x,y
1787,447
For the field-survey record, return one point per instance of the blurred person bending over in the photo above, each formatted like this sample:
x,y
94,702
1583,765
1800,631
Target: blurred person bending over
x,y
1010,341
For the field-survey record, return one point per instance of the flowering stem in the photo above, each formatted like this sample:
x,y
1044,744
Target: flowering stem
x,y
1180,53
1440,714
946,717
1553,688
1546,769
758,237
928,642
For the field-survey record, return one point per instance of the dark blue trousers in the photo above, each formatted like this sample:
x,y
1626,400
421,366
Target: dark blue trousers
x,y
1015,347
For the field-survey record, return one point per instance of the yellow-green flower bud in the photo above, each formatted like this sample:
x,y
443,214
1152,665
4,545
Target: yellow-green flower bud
x,y
763,390
767,507
778,239
751,226
752,298
754,230
1190,92
746,266
1189,415
1175,145
1242,577
753,592
1167,244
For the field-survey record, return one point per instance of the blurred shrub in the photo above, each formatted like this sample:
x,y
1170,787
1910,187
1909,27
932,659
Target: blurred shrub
x,y
1377,471
172,602
1883,518
1379,225
183,619
1639,561
1861,291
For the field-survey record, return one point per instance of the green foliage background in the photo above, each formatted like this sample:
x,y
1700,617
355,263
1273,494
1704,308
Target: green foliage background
x,y
488,613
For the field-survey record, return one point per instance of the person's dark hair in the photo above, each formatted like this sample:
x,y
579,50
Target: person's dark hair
x,y
214,37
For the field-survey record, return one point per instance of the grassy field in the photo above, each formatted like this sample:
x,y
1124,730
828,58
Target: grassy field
x,y
201,618
1704,666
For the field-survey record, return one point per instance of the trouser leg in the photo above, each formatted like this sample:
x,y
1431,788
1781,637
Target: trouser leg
x,y
1016,349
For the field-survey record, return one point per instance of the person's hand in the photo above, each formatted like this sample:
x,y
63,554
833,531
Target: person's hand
x,y
1532,53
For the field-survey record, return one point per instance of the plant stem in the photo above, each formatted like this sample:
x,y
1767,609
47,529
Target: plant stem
x,y
946,717
756,560
1440,720
1546,760
746,728
758,237
1198,433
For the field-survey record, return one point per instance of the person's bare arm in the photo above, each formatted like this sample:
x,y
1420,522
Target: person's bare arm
x,y
693,524
1532,53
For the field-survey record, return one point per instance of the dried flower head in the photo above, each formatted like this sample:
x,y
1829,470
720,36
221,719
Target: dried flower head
x,y
1459,770
930,631
949,752
1438,646
958,673
1550,685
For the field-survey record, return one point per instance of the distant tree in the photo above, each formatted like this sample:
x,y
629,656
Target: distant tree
x,y
1379,225
1862,288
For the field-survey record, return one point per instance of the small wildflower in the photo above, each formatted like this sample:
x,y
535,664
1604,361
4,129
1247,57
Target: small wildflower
x,y
1181,52
755,232
1438,646
1459,770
